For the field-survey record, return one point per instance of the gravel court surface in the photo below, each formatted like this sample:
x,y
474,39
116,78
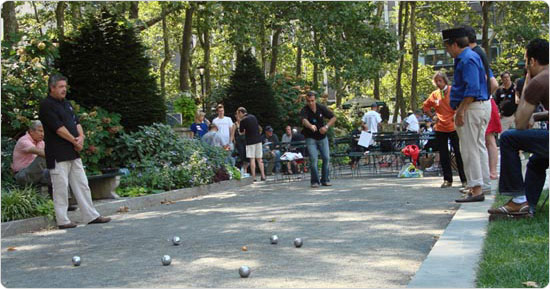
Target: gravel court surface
x,y
361,232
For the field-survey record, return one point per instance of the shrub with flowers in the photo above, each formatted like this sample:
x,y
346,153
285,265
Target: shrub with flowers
x,y
26,66
102,130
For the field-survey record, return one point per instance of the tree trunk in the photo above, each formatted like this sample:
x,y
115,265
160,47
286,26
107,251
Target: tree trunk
x,y
10,21
402,27
155,20
299,61
275,51
415,53
37,18
263,50
379,11
315,65
485,7
75,13
339,88
206,47
134,10
376,90
166,59
60,18
186,49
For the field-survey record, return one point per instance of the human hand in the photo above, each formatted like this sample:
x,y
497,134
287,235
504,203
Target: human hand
x,y
78,147
459,119
435,119
80,140
323,130
313,128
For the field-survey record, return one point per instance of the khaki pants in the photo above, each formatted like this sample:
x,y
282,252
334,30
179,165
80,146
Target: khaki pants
x,y
71,173
507,122
472,143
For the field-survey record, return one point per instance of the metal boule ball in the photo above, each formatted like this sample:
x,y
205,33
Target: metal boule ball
x,y
298,242
76,261
176,240
244,271
274,239
166,260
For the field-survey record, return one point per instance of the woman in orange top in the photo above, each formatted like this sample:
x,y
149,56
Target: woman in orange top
x,y
444,128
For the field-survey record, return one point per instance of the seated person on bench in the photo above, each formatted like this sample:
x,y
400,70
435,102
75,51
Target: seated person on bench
x,y
29,162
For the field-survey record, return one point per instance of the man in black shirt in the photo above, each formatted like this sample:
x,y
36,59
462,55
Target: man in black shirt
x,y
315,130
64,138
505,97
249,127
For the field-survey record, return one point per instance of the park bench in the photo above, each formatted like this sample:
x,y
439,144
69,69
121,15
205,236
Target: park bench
x,y
103,186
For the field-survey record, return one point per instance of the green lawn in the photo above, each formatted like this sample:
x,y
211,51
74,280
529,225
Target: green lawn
x,y
515,251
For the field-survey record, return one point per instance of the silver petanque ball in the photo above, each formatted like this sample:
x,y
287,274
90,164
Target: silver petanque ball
x,y
298,242
166,260
244,271
274,239
76,261
176,240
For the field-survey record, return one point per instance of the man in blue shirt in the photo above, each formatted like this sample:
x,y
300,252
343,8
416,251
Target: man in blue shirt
x,y
469,98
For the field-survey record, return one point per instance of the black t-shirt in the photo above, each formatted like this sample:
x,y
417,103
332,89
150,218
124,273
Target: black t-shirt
x,y
54,114
274,140
250,124
315,118
486,65
506,100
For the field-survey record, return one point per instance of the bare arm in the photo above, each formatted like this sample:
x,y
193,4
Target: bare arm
x,y
494,85
306,123
36,151
523,114
66,135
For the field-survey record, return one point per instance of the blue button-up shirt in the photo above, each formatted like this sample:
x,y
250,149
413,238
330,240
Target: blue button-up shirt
x,y
469,78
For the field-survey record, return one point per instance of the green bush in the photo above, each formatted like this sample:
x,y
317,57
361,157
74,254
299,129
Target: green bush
x,y
107,66
185,104
8,179
22,203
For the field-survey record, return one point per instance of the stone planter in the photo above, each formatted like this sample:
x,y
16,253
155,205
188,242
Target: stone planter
x,y
183,132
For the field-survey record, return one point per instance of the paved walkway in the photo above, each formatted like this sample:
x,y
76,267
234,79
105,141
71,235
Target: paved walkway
x,y
363,232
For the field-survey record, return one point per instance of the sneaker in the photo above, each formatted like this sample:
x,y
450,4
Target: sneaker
x,y
327,184
100,220
314,185
511,208
67,226
446,184
431,169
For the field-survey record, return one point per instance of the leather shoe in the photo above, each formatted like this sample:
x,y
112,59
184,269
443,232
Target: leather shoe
x,y
326,184
67,226
446,184
100,220
471,198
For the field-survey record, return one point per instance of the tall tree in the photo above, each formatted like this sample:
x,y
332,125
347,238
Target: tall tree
x,y
60,18
166,60
415,53
134,10
10,21
485,8
249,88
402,29
275,50
186,48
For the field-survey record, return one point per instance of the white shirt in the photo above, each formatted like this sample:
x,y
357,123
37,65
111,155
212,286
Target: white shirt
x,y
372,119
224,128
412,122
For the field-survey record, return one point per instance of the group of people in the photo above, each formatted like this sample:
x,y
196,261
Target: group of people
x,y
466,111
245,138
463,112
